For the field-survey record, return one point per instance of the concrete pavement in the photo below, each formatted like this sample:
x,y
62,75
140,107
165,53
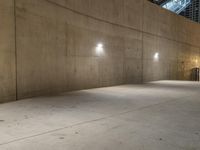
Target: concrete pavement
x,y
162,115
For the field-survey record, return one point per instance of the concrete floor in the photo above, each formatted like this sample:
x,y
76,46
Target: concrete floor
x,y
162,115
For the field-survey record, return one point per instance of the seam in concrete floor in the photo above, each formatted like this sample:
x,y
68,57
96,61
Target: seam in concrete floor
x,y
90,121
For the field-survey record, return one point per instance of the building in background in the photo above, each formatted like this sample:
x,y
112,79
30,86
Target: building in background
x,y
187,8
192,11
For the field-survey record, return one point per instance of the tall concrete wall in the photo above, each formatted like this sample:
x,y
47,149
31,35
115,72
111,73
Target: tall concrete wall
x,y
7,51
175,38
57,45
57,40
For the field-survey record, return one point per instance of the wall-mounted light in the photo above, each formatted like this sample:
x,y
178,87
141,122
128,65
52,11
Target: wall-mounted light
x,y
197,62
156,56
99,49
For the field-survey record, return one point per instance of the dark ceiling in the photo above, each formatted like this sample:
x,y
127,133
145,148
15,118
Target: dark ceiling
x,y
159,2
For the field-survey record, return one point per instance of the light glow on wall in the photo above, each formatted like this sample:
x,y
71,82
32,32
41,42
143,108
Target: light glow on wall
x,y
197,63
156,56
100,49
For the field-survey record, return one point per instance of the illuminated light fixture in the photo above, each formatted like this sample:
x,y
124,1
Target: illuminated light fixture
x,y
99,49
156,56
100,45
197,62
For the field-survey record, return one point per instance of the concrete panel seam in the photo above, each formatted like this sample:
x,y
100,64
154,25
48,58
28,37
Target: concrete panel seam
x,y
116,24
95,120
15,44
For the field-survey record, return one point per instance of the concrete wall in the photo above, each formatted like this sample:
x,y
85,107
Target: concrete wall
x,y
56,45
7,51
175,38
57,40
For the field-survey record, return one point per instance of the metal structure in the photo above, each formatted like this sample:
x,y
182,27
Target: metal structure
x,y
187,8
176,6
192,11
195,74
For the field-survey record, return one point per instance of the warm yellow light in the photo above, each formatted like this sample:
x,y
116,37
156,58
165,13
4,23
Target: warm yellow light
x,y
197,62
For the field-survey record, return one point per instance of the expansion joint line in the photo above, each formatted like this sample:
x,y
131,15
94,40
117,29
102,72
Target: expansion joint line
x,y
119,25
94,120
15,43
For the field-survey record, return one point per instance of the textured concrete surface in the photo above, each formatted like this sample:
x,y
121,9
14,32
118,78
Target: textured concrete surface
x,y
7,51
162,115
56,45
51,46
60,49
